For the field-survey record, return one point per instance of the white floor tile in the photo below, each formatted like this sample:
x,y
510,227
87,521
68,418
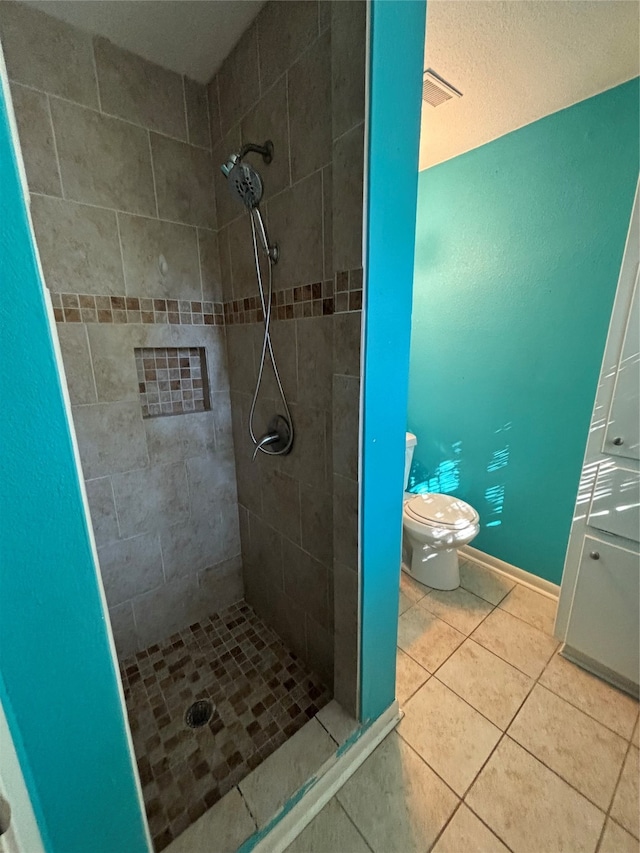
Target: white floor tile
x,y
466,834
617,840
531,607
267,788
409,676
626,809
611,707
396,801
530,808
520,644
575,746
330,831
483,582
453,738
426,638
458,608
490,684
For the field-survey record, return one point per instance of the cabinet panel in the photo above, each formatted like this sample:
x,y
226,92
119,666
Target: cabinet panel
x,y
605,614
615,504
622,437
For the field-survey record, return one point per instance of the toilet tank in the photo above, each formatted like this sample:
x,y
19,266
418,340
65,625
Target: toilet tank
x,y
408,457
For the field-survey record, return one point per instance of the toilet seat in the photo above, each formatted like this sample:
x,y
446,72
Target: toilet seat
x,y
440,511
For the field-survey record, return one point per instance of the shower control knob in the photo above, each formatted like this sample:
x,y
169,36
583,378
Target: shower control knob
x,y
595,555
618,441
5,816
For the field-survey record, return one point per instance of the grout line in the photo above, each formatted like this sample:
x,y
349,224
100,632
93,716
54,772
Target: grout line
x,y
153,174
244,800
351,820
95,71
200,266
184,107
93,372
124,274
55,148
346,132
286,97
108,115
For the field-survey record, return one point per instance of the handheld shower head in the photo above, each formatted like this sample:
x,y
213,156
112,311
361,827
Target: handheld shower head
x,y
244,182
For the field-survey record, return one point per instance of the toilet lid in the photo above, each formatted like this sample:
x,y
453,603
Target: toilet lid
x,y
441,511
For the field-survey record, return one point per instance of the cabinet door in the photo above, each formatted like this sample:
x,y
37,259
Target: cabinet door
x,y
622,437
605,614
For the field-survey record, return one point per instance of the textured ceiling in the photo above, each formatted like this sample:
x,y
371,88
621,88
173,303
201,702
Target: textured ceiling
x,y
516,62
191,37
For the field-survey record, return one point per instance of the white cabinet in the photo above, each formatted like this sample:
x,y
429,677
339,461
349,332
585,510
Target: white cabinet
x,y
598,611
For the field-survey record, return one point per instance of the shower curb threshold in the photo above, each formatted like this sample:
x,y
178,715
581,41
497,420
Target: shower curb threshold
x,y
285,826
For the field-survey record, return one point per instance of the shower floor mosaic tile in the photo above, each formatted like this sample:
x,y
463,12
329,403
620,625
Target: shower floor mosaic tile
x,y
261,693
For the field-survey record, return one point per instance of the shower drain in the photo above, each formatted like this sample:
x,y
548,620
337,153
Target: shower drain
x,y
199,713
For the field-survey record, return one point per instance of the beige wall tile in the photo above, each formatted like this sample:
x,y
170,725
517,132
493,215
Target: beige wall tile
x,y
579,749
36,140
427,639
346,343
77,362
222,584
617,840
520,644
176,438
531,607
268,119
184,182
162,611
196,102
238,80
327,220
306,582
491,685
409,676
309,98
48,54
611,707
453,738
315,362
227,206
124,629
625,803
348,159
138,90
213,102
143,242
345,521
331,829
130,567
241,257
348,50
151,498
316,520
346,425
482,582
113,360
529,807
212,479
396,801
295,224
285,29
200,541
319,649
110,437
269,786
457,607
281,509
103,510
78,247
210,265
103,160
466,832
346,662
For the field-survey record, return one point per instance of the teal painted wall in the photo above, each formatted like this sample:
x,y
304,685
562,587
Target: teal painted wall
x,y
518,250
58,683
396,54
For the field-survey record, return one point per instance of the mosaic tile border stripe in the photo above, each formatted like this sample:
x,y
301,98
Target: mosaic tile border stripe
x,y
321,299
85,308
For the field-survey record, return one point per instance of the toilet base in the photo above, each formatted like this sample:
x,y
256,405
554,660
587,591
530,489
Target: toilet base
x,y
437,569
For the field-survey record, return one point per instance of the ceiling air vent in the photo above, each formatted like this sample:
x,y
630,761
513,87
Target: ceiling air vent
x,y
435,90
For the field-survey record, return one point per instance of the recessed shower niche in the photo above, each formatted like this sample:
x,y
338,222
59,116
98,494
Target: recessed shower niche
x,y
172,380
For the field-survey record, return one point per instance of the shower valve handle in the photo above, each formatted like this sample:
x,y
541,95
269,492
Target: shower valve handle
x,y
269,438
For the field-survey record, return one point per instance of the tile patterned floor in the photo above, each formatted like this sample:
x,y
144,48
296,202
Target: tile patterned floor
x,y
262,696
505,745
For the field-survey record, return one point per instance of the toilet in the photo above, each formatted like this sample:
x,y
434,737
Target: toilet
x,y
434,526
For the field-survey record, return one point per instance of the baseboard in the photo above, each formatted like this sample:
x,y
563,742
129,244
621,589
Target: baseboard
x,y
551,590
600,670
330,779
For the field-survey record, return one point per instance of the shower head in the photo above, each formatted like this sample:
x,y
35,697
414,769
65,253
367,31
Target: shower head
x,y
244,182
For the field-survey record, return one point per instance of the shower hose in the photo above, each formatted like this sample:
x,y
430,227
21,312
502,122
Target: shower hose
x,y
266,348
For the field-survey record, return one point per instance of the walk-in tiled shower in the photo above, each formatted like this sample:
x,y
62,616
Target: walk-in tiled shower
x,y
228,580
